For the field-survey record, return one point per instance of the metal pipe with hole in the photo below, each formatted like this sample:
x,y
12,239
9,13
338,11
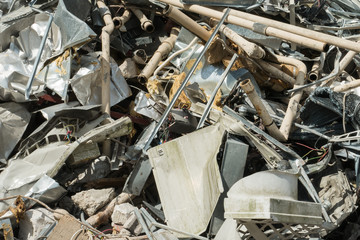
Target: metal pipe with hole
x,y
146,24
120,21
212,97
186,80
268,122
315,70
261,28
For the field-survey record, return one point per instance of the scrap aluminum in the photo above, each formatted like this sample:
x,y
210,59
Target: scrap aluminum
x,y
207,74
66,31
173,119
14,118
86,82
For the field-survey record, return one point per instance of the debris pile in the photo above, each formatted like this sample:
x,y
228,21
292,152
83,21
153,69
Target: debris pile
x,y
169,119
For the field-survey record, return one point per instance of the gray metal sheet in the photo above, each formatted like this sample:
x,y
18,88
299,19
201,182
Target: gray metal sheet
x,y
14,119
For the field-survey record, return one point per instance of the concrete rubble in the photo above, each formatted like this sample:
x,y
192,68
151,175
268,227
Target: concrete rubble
x,y
179,119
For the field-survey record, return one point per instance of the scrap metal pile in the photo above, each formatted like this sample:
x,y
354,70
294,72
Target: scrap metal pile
x,y
169,119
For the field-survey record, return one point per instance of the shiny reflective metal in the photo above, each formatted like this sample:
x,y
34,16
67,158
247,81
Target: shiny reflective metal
x,y
186,80
212,98
38,57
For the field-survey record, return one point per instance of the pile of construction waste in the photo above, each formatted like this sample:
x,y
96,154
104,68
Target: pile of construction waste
x,y
169,119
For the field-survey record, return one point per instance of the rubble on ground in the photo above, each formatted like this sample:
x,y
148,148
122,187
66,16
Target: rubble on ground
x,y
169,119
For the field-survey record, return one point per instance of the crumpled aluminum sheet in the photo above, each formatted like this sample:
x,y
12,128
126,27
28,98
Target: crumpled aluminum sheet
x,y
16,63
14,119
73,30
145,106
207,75
46,190
51,114
66,31
86,83
56,75
20,175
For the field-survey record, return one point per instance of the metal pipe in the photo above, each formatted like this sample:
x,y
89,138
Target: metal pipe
x,y
255,26
322,37
218,85
174,55
120,21
268,122
185,21
251,49
347,86
336,71
314,73
292,108
38,57
142,223
275,72
163,50
105,66
105,57
280,119
146,24
186,80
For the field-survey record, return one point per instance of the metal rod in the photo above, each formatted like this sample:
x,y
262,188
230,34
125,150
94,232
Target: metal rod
x,y
212,98
142,223
38,57
182,86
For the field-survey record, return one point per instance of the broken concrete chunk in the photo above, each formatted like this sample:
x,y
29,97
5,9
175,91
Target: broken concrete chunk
x,y
92,200
128,68
34,222
131,223
138,230
84,153
122,213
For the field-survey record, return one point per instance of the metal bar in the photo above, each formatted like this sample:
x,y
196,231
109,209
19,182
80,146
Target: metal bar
x,y
212,98
38,57
143,224
182,86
